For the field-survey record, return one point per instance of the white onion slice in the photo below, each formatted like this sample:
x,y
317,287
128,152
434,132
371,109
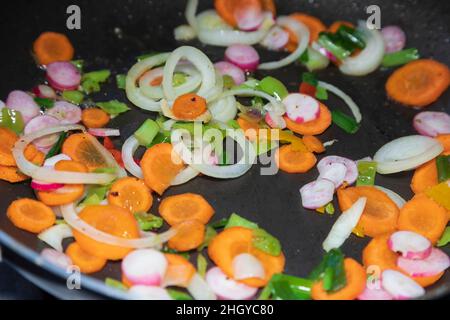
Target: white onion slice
x,y
140,292
406,153
54,235
399,201
184,33
184,176
369,59
223,110
274,106
345,97
72,219
247,266
191,10
128,149
199,289
302,33
344,225
47,174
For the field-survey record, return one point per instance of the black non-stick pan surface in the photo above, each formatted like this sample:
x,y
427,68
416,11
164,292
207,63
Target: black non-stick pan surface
x,y
113,33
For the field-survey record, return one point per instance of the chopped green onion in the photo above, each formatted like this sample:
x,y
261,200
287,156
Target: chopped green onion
x,y
233,124
443,168
331,269
287,287
321,93
161,137
351,36
148,221
228,82
44,103
73,96
202,264
265,242
110,282
147,132
266,292
249,84
95,194
400,57
274,87
236,220
310,78
178,295
90,82
345,122
121,81
60,221
219,224
57,146
329,208
79,64
178,79
257,102
366,173
113,107
445,238
210,233
12,120
314,60
333,44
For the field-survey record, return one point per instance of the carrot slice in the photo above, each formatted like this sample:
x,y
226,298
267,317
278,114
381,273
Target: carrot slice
x,y
425,176
94,118
84,260
69,193
130,193
160,166
179,271
79,148
30,215
313,144
292,161
227,8
190,235
269,5
113,220
356,282
189,106
380,214
424,216
186,206
8,139
12,174
337,24
314,127
418,83
251,129
314,25
51,47
237,240
444,139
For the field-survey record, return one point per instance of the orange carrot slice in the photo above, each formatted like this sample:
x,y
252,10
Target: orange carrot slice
x,y
186,206
30,215
179,271
227,8
292,161
131,194
189,106
314,127
52,47
314,25
418,83
425,176
444,139
94,118
8,139
251,129
313,144
79,148
83,260
190,235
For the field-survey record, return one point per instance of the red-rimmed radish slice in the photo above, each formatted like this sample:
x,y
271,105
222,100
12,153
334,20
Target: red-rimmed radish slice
x,y
301,107
352,169
144,267
56,258
65,112
432,265
247,266
227,68
24,103
226,288
317,194
400,286
411,245
432,123
375,294
335,172
50,162
276,39
38,123
275,120
44,186
243,56
249,18
394,38
140,292
104,132
44,91
63,76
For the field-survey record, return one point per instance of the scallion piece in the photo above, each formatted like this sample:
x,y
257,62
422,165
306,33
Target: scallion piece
x,y
79,64
210,233
12,119
352,36
310,78
400,57
90,82
332,43
366,173
148,221
445,238
178,295
321,93
121,80
265,242
287,287
147,132
274,87
44,103
345,122
57,146
236,220
443,168
220,224
331,271
73,96
113,107
202,265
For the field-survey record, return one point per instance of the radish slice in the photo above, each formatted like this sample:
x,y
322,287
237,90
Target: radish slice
x,y
63,76
335,172
400,286
352,169
249,19
44,91
435,263
432,123
316,194
226,288
247,266
65,112
50,162
140,292
54,235
301,107
38,123
199,289
24,103
410,244
43,186
144,267
104,132
375,294
243,56
226,68
275,121
56,258
344,225
394,38
276,39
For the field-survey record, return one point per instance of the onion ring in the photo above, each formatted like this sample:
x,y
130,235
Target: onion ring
x,y
345,97
274,106
128,149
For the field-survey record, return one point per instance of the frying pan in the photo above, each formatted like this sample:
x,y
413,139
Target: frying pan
x,y
113,33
